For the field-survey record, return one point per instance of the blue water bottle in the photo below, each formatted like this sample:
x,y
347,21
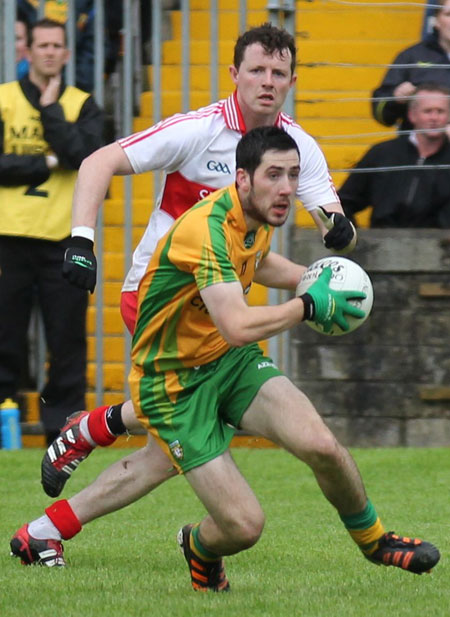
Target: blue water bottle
x,y
10,425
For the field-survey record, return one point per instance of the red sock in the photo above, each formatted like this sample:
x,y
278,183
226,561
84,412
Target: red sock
x,y
64,519
98,427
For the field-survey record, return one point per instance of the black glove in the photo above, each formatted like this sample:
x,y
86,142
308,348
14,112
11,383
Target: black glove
x,y
80,265
342,233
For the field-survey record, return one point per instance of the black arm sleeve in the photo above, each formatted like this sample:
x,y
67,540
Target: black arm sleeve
x,y
16,170
389,112
73,141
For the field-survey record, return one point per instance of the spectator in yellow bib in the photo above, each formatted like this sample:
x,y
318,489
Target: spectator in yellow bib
x,y
46,130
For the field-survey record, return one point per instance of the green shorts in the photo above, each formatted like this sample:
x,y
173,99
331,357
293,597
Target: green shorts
x,y
193,412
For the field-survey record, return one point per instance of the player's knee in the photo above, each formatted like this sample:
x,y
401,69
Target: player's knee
x,y
250,532
325,451
248,528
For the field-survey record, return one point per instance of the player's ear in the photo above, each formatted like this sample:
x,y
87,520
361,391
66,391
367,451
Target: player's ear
x,y
242,179
233,72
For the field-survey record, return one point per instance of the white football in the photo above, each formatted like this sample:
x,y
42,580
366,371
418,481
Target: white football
x,y
347,275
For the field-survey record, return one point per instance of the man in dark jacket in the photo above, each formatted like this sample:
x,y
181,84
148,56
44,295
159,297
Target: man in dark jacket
x,y
46,130
391,97
416,192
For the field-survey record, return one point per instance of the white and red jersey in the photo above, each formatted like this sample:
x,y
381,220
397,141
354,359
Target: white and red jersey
x,y
197,152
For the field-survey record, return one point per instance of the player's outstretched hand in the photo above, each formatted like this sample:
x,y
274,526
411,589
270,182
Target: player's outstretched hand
x,y
341,236
327,306
80,265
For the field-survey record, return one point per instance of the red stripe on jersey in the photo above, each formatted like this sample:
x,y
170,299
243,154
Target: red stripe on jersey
x,y
233,115
135,138
180,194
334,189
284,118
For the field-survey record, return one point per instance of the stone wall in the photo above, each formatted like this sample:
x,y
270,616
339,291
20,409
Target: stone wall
x,y
387,383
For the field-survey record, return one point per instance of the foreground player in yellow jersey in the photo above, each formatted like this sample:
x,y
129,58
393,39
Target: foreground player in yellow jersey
x,y
197,372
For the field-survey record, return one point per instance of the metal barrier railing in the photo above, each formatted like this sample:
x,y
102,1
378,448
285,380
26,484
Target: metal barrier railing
x,y
126,91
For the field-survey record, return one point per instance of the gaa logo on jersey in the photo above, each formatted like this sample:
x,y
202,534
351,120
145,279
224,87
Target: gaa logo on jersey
x,y
249,239
218,166
177,450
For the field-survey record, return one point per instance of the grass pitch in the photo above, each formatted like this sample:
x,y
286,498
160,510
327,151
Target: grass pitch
x,y
305,565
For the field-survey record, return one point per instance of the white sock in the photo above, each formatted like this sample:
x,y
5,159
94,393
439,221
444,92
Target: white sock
x,y
43,529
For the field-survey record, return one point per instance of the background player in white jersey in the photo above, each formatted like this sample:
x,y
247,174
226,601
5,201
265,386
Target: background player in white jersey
x,y
197,152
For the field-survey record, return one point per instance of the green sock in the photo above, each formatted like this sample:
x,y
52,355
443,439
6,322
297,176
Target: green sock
x,y
198,547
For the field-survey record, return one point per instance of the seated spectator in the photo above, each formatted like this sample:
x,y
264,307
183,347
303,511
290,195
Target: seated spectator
x,y
414,197
22,62
400,83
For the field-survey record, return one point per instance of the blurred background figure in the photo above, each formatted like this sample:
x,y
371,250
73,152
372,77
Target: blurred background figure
x,y
22,61
400,83
46,130
85,16
414,197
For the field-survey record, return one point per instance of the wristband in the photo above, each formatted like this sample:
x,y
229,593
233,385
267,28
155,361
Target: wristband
x,y
308,307
84,231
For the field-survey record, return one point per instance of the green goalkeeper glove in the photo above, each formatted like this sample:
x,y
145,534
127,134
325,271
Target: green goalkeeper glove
x,y
326,307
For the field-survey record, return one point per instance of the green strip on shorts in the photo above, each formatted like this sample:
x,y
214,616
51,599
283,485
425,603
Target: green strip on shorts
x,y
197,415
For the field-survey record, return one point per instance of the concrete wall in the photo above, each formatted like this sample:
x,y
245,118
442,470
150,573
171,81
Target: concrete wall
x,y
387,383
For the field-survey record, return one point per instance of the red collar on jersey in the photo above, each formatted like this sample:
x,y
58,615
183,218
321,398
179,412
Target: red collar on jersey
x,y
233,114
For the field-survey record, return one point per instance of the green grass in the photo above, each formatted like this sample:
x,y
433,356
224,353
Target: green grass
x,y
127,564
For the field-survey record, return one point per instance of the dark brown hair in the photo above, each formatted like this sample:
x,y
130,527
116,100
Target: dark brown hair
x,y
271,38
255,143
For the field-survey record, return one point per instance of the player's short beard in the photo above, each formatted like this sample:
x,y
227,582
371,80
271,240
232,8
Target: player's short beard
x,y
251,209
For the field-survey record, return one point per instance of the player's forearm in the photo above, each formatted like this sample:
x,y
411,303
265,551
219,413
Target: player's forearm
x,y
257,323
334,207
278,272
89,193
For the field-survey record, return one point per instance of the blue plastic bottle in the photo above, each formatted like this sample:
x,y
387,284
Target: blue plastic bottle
x,y
10,425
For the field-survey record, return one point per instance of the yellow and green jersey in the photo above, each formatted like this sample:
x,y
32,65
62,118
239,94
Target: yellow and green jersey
x,y
53,9
209,244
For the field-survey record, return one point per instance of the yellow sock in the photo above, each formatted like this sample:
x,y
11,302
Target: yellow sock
x,y
365,528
